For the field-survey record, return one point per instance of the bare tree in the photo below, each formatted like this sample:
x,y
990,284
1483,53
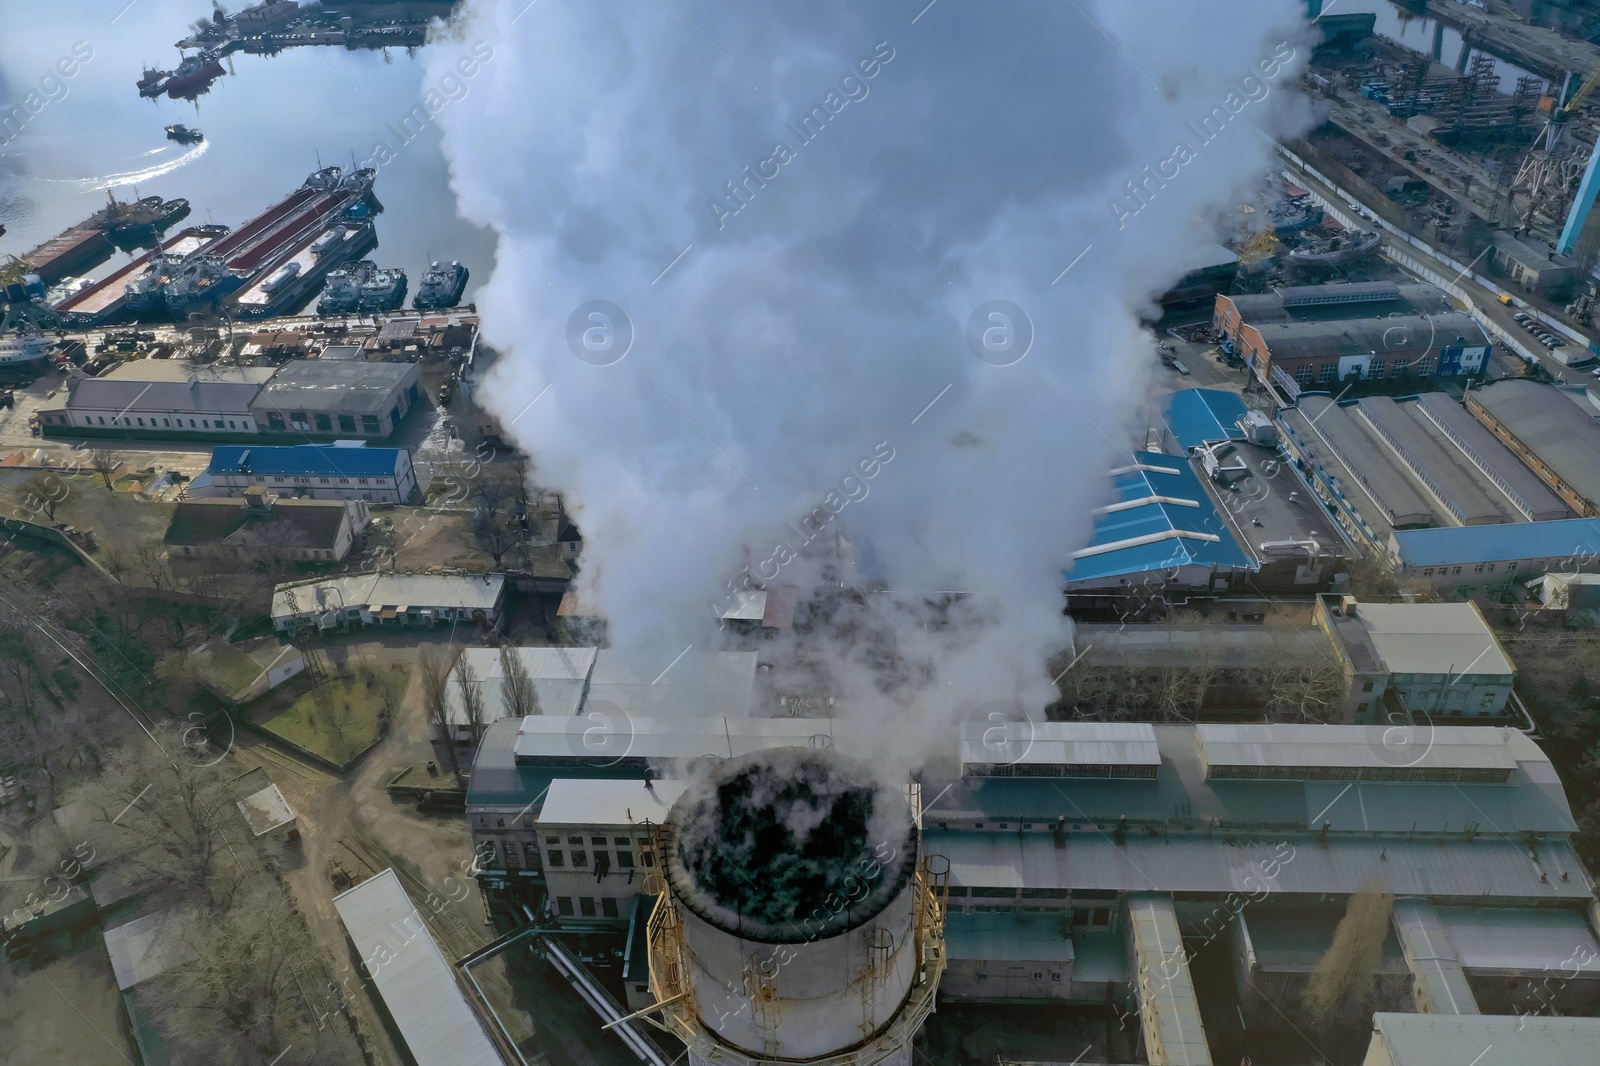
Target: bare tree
x,y
1343,982
520,697
435,669
168,812
390,686
494,522
43,493
106,463
472,709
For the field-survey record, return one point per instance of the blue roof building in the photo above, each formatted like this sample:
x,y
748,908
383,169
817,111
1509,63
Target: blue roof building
x,y
344,470
1162,519
1197,417
1476,557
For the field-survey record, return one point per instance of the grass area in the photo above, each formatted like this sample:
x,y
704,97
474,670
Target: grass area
x,y
120,520
338,719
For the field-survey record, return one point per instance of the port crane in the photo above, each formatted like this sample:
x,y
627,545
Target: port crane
x,y
1548,172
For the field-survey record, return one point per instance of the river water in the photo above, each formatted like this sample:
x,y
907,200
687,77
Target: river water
x,y
267,125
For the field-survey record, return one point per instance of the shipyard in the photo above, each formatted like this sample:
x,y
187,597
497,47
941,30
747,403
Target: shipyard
x,y
1180,436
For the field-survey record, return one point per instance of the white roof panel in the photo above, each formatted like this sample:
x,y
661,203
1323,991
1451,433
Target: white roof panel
x,y
417,984
142,949
1457,747
603,801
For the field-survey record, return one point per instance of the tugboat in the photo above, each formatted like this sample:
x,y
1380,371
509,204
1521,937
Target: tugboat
x,y
154,82
141,219
384,291
146,294
342,294
441,286
184,135
194,75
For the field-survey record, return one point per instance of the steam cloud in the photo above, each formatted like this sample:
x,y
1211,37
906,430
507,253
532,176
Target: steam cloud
x,y
799,208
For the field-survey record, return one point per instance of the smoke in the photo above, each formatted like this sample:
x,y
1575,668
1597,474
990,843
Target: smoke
x,y
786,284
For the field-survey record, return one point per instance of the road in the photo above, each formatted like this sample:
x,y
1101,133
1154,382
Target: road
x,y
1485,302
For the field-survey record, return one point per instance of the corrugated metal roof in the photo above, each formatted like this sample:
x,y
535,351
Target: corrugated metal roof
x,y
1433,638
1442,986
301,460
1388,335
334,385
1484,449
1222,862
1202,416
266,810
144,948
560,677
464,591
700,683
1325,427
1008,936
1491,940
597,801
1553,427
643,737
1461,545
418,986
1059,743
1486,1039
1466,492
1458,747
1169,1009
1162,518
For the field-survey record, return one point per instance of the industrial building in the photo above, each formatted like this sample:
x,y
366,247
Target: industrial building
x,y
343,470
1433,1040
1548,431
1080,856
1381,465
416,986
1243,525
1476,559
1302,337
160,398
335,398
388,599
261,526
1439,660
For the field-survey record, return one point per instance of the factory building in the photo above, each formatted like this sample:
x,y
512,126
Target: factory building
x,y
1381,465
1466,560
344,470
1547,429
145,398
1229,518
1311,336
335,398
1080,856
388,599
1439,660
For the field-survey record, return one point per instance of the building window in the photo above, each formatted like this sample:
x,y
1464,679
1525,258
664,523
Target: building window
x,y
1378,369
347,424
344,481
608,907
1328,373
363,481
647,858
191,423
1488,700
205,424
1457,570
1302,375
1478,569
624,859
564,905
1428,572
1511,568
586,905
167,422
1425,366
324,424
530,852
1366,686
369,424
324,480
141,422
580,858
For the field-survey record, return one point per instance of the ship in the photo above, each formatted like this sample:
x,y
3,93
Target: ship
x,y
1336,251
293,283
27,345
342,294
384,291
141,219
154,82
194,75
199,286
441,286
138,288
184,135
76,251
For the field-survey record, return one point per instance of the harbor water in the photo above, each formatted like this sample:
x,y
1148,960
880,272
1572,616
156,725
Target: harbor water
x,y
68,138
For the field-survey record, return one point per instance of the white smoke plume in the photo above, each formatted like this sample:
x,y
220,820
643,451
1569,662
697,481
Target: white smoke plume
x,y
801,209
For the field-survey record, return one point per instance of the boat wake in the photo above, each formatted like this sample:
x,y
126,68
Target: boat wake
x,y
132,177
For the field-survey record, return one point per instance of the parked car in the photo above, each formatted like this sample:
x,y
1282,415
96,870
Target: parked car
x,y
1520,317
1557,342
